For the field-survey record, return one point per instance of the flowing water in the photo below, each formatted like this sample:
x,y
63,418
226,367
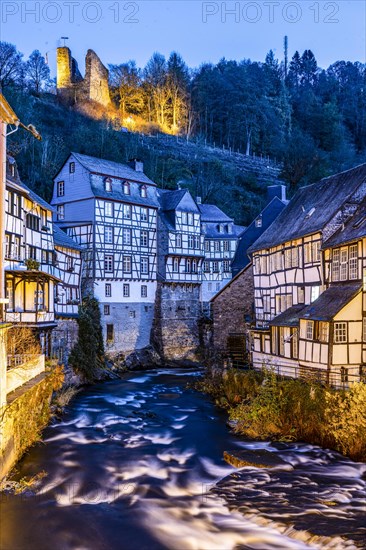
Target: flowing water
x,y
137,464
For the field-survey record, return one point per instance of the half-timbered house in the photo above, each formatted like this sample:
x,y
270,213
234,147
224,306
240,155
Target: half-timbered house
x,y
180,256
291,276
111,210
220,243
29,258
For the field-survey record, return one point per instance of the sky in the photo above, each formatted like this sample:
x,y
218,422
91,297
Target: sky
x,y
201,31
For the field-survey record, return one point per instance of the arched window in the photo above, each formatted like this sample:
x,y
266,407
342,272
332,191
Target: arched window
x,y
126,188
194,266
143,191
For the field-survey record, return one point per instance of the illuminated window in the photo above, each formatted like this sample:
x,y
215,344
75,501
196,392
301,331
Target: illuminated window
x,y
353,262
307,253
315,291
309,330
340,333
323,331
344,264
335,265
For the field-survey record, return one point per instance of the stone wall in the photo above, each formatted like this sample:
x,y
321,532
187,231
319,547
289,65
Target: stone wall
x,y
176,324
231,306
24,417
73,88
64,337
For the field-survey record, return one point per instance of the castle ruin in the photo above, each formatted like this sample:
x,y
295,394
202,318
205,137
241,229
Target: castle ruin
x,y
73,88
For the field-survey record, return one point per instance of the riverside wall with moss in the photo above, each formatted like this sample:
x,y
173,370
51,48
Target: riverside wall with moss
x,y
25,415
263,406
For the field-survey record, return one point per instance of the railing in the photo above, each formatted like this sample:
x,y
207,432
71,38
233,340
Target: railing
x,y
19,359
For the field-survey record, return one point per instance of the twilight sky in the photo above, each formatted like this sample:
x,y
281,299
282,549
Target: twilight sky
x,y
199,30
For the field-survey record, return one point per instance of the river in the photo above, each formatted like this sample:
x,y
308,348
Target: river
x,y
136,464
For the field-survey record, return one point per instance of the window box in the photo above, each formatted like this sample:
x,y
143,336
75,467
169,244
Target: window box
x,y
32,264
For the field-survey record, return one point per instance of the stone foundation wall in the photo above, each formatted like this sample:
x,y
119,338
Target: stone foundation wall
x,y
23,418
176,325
64,337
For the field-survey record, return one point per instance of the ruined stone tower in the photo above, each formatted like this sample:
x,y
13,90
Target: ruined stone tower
x,y
73,88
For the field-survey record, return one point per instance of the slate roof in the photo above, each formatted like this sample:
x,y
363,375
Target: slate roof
x,y
211,213
60,238
111,168
354,228
331,301
252,233
29,192
289,318
169,200
323,199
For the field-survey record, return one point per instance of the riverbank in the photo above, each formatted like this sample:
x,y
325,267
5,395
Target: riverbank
x,y
262,406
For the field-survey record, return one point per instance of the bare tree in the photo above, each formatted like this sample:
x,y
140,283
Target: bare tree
x,y
37,71
11,65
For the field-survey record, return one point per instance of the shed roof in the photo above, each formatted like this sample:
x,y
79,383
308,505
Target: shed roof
x,y
289,318
62,239
111,168
331,301
353,229
311,208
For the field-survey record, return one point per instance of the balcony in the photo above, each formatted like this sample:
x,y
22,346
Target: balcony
x,y
29,317
21,369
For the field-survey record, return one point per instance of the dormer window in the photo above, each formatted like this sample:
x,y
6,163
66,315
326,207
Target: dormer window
x,y
143,191
126,188
72,167
12,170
258,222
108,185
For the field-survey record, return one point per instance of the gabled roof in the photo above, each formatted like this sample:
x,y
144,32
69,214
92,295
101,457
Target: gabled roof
x,y
331,301
169,200
354,228
36,198
212,232
60,238
312,208
211,213
111,168
252,233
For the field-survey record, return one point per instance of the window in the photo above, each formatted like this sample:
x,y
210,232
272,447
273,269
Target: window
x,y
108,185
316,251
364,329
288,258
108,234
217,286
178,240
344,264
72,167
226,266
175,265
215,267
294,256
335,265
281,340
294,343
188,265
340,333
108,209
39,300
226,246
309,330
107,310
206,267
217,246
143,291
144,214
143,191
144,266
12,247
144,238
10,295
132,314
194,266
127,212
15,205
60,188
32,252
127,264
110,333
108,263
126,290
197,243
207,246
32,222
126,236
190,218
323,331
258,222
315,292
126,188
61,212
108,290
69,263
209,287
184,217
190,241
353,262
307,253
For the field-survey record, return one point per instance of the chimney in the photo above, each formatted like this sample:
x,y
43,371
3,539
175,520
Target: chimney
x,y
199,200
136,164
276,191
